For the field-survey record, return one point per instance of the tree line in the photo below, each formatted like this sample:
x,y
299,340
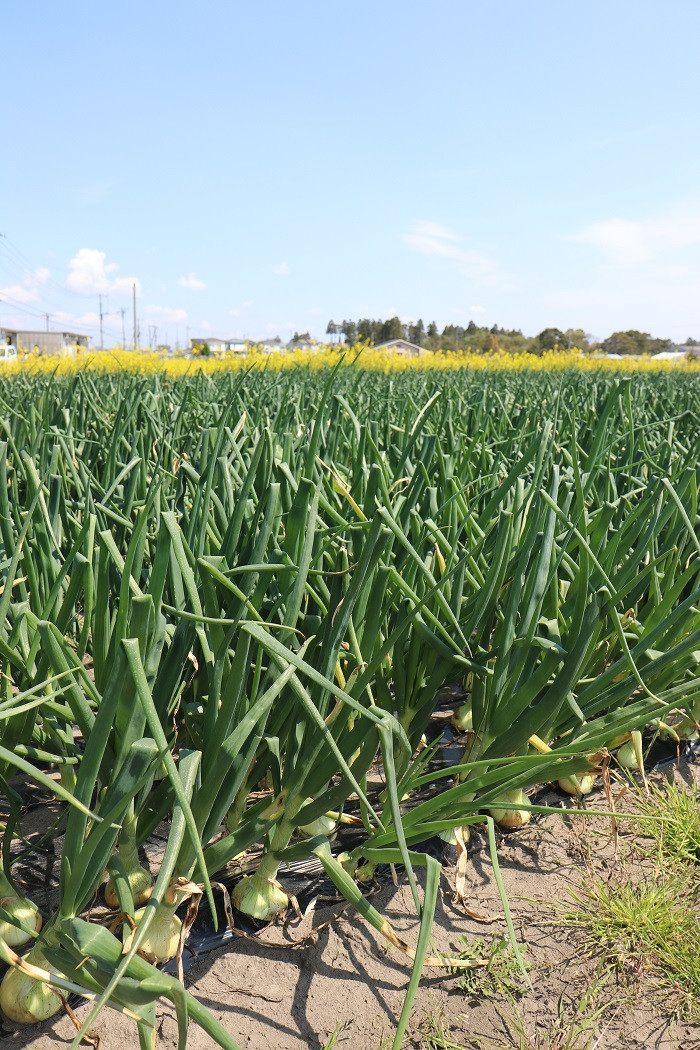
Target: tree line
x,y
480,339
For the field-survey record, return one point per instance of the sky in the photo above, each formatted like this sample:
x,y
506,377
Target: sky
x,y
260,169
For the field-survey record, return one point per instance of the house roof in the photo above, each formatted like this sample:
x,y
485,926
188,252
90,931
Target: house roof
x,y
687,348
35,332
217,339
395,344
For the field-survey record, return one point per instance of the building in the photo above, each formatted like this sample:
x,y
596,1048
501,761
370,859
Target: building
x,y
302,344
692,349
670,355
402,347
271,346
217,346
65,344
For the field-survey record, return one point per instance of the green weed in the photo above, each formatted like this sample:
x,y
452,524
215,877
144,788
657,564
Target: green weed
x,y
670,815
501,974
647,930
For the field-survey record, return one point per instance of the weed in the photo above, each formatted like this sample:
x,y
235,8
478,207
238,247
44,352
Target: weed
x,y
648,930
334,1036
500,976
670,815
435,1034
576,1026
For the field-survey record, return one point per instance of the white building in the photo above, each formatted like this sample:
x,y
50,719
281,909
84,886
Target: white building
x,y
65,344
402,347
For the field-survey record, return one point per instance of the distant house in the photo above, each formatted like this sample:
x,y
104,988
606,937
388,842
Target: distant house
x,y
693,349
271,346
218,346
402,347
302,344
63,343
670,355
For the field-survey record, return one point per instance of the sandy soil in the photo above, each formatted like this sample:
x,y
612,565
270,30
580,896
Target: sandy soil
x,y
284,997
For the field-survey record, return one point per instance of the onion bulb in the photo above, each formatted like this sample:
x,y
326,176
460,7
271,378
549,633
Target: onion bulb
x,y
462,720
583,787
506,810
260,897
140,884
162,938
323,825
627,756
24,999
21,909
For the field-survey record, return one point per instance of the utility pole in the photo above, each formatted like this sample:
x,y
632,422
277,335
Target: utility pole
x,y
122,312
47,321
102,344
136,331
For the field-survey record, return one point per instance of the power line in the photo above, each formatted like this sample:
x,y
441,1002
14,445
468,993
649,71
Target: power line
x,y
86,326
30,269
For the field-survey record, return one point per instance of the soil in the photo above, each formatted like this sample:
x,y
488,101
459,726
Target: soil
x,y
329,972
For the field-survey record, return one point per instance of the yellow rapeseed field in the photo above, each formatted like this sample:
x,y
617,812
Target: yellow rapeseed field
x,y
145,362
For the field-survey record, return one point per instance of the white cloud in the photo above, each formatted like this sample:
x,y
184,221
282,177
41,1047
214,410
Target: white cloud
x,y
89,319
477,309
280,269
632,242
434,230
192,282
622,241
89,274
165,313
28,290
429,238
21,293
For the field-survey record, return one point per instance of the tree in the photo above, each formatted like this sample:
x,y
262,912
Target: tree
x,y
364,330
416,332
331,329
549,339
633,342
349,330
391,329
577,338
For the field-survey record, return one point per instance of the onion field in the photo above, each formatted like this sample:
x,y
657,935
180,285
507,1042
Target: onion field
x,y
230,605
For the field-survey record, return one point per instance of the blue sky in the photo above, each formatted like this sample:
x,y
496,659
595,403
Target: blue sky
x,y
257,169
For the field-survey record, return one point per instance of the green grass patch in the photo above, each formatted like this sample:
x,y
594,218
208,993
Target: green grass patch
x,y
648,930
499,974
670,815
